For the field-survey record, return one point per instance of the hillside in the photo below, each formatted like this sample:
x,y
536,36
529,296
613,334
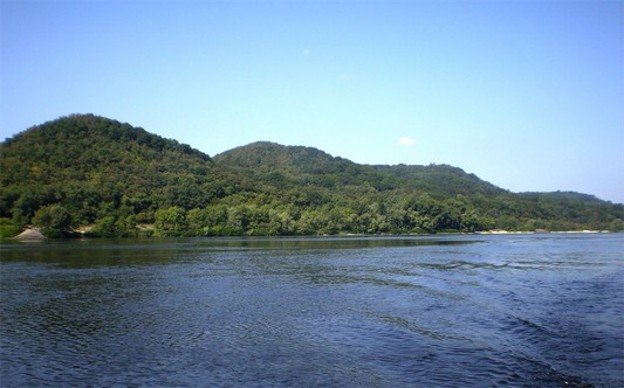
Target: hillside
x,y
299,165
87,170
441,180
96,167
306,165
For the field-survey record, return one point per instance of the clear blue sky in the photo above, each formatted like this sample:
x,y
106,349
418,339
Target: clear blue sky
x,y
528,95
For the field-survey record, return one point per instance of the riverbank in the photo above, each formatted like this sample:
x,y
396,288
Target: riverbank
x,y
541,231
30,234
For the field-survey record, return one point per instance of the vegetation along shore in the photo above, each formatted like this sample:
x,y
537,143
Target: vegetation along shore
x,y
107,178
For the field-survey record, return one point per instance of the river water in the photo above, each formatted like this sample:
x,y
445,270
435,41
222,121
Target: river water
x,y
457,311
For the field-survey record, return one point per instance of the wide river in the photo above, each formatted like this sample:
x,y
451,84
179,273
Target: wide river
x,y
475,310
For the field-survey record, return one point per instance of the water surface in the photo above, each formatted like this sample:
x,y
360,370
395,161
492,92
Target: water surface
x,y
534,310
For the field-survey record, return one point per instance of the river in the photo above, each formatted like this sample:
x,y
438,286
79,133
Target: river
x,y
473,310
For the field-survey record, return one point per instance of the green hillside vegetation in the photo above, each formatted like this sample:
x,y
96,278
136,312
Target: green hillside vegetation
x,y
85,170
99,170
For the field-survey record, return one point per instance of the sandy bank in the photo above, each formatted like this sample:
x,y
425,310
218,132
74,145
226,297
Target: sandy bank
x,y
30,234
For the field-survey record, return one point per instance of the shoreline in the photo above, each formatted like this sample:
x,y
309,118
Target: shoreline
x,y
34,234
503,232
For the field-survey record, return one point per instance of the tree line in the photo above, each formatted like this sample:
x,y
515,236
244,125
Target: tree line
x,y
111,179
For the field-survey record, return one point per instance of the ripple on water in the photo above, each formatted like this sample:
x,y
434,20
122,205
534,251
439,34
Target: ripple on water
x,y
499,311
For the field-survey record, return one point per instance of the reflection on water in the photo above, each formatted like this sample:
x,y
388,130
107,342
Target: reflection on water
x,y
88,252
432,311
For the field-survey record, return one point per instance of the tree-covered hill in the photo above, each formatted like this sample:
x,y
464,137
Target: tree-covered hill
x,y
300,165
307,165
88,170
441,180
95,167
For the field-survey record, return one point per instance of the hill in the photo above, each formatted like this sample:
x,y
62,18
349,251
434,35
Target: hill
x,y
440,180
121,180
307,165
95,167
299,165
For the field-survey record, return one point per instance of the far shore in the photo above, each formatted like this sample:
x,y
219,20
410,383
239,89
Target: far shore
x,y
34,234
585,231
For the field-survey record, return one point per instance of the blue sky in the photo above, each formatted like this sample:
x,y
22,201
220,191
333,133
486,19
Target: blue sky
x,y
528,95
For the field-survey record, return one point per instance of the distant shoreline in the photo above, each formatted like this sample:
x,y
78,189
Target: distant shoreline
x,y
585,231
34,234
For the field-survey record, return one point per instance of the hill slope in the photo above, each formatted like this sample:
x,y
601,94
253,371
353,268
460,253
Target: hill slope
x,y
299,165
308,165
94,166
444,180
84,169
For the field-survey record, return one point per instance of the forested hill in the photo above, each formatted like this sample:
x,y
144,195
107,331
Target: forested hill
x,y
278,164
94,167
306,165
441,180
112,179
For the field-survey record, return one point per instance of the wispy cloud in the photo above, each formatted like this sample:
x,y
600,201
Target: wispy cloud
x,y
406,141
306,51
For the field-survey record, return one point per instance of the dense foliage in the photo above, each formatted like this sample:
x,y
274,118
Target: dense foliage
x,y
112,179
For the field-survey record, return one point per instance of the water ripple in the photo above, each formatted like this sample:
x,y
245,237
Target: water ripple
x,y
443,311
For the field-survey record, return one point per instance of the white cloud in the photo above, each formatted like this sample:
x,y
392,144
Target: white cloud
x,y
406,141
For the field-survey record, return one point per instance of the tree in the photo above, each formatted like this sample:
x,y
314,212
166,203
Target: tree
x,y
54,220
171,221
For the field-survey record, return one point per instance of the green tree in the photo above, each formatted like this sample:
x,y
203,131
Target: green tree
x,y
7,228
54,220
105,227
171,221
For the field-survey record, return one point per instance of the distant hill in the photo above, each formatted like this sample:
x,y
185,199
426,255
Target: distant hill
x,y
267,157
301,165
309,165
442,180
85,170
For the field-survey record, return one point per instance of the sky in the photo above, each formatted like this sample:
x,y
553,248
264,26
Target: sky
x,y
528,95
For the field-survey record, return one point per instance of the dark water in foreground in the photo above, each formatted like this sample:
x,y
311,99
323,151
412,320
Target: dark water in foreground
x,y
541,310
